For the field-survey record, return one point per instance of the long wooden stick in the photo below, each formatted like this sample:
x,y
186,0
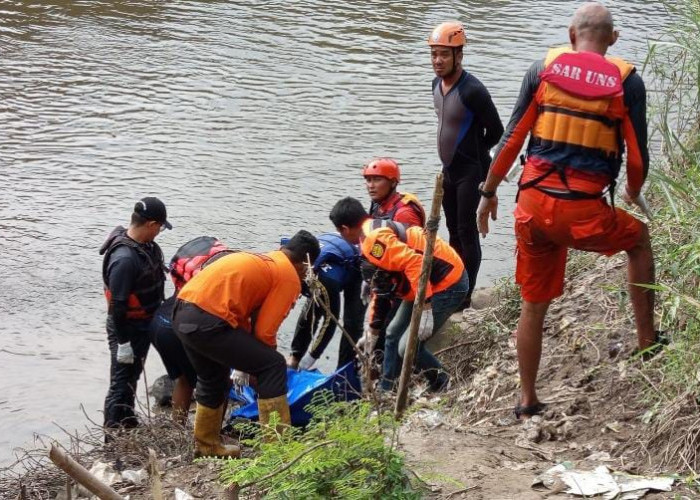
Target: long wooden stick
x,y
82,475
412,345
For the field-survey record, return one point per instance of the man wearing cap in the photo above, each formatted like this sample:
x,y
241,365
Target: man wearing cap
x,y
468,127
133,276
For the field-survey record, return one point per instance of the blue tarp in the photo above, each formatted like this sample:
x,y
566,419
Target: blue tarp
x,y
301,386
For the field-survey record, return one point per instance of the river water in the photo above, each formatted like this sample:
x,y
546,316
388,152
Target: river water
x,y
249,119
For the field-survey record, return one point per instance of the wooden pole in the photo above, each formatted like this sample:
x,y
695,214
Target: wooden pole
x,y
82,475
410,355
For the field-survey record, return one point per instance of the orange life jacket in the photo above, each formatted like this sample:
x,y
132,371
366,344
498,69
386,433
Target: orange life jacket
x,y
581,106
148,290
402,200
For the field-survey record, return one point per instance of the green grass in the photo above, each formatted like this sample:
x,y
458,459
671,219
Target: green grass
x,y
674,63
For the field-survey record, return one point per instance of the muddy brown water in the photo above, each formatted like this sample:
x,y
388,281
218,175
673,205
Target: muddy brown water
x,y
249,119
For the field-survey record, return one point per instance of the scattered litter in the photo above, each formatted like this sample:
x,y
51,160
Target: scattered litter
x,y
135,476
105,473
601,481
181,495
431,418
611,426
599,456
566,322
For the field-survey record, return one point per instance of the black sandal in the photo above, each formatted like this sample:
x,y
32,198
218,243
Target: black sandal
x,y
661,340
529,411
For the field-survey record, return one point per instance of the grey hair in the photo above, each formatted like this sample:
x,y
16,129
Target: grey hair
x,y
593,21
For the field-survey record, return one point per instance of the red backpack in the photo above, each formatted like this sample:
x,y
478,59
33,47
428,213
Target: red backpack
x,y
193,256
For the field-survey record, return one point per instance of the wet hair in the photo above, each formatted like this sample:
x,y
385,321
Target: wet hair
x,y
348,212
137,220
302,244
593,21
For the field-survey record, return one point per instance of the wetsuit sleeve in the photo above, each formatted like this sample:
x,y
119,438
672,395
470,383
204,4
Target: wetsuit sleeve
x,y
520,124
484,108
634,131
274,309
121,276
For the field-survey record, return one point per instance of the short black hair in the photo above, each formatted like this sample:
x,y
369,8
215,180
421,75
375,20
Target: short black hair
x,y
302,244
348,212
137,220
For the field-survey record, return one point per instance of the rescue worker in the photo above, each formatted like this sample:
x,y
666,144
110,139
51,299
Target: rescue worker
x,y
578,107
338,270
133,274
186,263
227,316
382,176
394,257
468,127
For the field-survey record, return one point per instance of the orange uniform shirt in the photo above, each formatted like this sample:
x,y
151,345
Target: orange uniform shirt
x,y
383,248
241,285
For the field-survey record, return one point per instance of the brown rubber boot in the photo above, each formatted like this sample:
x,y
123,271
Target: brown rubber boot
x,y
207,442
278,404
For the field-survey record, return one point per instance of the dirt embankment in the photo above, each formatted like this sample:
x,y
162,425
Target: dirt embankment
x,y
600,411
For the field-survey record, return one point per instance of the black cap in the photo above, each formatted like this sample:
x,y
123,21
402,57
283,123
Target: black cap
x,y
151,208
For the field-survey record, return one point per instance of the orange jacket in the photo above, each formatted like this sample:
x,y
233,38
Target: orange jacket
x,y
387,250
240,285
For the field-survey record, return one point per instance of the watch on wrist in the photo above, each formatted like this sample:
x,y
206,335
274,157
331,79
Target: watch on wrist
x,y
486,194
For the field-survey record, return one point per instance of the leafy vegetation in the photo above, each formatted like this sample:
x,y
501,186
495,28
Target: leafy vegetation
x,y
347,451
675,66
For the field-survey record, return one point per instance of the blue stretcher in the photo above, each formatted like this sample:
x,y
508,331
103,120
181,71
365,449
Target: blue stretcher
x,y
301,386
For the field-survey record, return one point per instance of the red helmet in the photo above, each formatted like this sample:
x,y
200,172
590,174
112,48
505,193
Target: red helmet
x,y
383,167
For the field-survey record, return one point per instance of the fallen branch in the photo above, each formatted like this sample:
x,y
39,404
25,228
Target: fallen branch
x,y
82,475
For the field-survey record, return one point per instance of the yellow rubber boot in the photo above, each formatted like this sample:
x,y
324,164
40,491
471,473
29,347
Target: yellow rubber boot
x,y
207,442
278,404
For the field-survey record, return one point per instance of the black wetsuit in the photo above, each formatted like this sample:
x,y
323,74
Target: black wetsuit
x,y
468,127
134,278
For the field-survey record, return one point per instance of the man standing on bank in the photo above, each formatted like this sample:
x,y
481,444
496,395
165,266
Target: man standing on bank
x,y
468,127
133,273
227,316
578,106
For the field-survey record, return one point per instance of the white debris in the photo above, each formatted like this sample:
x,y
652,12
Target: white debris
x,y
135,476
430,418
601,481
181,495
104,473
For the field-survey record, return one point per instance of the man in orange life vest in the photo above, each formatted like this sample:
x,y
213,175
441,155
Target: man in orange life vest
x,y
393,256
227,316
578,107
133,274
382,176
